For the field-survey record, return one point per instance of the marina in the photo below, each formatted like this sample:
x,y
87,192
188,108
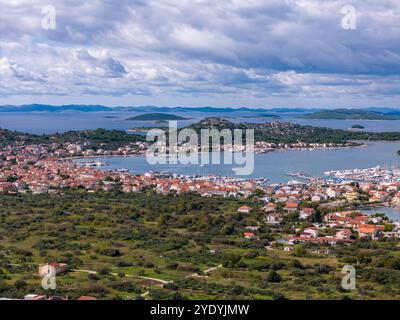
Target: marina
x,y
376,174
278,166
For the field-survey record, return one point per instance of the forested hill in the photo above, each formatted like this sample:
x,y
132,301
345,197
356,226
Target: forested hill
x,y
106,139
8,137
286,132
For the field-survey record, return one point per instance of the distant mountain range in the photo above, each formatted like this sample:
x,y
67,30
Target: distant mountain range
x,y
101,108
50,108
313,113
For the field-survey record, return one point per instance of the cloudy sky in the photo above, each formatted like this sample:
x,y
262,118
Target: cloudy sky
x,y
265,53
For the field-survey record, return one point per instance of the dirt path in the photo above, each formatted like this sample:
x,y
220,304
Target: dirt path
x,y
127,275
196,275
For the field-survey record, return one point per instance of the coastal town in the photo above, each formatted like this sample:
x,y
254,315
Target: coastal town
x,y
312,211
39,169
307,216
199,155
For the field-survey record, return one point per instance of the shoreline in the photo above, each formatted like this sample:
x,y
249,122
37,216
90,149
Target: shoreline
x,y
103,156
363,145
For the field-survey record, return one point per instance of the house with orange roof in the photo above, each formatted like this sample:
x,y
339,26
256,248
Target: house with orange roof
x,y
291,206
244,209
366,231
370,230
248,235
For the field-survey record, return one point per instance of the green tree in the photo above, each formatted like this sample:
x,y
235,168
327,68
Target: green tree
x,y
274,277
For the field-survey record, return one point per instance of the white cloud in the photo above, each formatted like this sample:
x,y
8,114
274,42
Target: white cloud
x,y
233,49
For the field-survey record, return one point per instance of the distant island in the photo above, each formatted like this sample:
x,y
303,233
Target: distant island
x,y
264,115
351,114
156,117
357,126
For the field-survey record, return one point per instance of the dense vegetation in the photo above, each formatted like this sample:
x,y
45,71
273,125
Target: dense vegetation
x,y
170,238
8,137
285,132
99,138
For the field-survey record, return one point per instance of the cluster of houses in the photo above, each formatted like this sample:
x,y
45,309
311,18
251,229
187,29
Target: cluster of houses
x,y
344,226
31,169
263,146
44,168
82,150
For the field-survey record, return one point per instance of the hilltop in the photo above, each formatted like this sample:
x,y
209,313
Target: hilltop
x,y
214,123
